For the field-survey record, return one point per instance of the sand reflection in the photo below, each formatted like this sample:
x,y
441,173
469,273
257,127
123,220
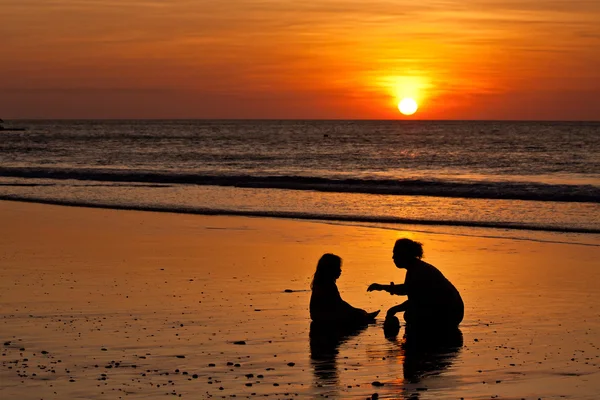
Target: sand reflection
x,y
424,356
325,341
428,354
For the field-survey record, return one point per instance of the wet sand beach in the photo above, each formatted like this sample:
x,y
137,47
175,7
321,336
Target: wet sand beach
x,y
107,304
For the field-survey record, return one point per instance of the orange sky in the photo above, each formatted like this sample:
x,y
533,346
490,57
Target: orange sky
x,y
467,59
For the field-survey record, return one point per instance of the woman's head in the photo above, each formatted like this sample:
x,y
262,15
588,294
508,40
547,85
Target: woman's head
x,y
329,268
406,250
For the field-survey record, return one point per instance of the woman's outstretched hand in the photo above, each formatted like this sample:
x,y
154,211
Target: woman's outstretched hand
x,y
374,286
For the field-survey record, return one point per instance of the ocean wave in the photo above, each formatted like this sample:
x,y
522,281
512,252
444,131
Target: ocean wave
x,y
301,215
506,190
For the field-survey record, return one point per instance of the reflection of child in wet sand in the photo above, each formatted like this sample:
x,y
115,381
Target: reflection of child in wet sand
x,y
326,304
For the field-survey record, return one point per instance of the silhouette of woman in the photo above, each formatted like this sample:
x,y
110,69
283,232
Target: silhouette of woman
x,y
433,302
326,304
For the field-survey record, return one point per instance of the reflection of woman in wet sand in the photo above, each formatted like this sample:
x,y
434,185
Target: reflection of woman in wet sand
x,y
433,302
429,353
326,304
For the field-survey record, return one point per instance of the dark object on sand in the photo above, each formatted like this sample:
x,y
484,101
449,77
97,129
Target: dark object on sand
x,y
391,326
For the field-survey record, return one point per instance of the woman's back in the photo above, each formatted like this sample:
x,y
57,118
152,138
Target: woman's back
x,y
432,295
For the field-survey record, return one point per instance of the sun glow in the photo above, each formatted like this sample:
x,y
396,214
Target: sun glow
x,y
408,106
407,92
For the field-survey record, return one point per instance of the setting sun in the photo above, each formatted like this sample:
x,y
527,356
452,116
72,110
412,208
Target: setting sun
x,y
408,106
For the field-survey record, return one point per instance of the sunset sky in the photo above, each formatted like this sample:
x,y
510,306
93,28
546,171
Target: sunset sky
x,y
351,59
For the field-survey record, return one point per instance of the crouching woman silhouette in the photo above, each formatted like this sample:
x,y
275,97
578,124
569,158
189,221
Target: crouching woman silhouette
x,y
326,304
433,301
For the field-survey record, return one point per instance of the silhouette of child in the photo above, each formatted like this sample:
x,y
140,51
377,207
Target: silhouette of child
x,y
433,302
326,304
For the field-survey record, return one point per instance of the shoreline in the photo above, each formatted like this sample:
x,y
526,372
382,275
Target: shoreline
x,y
304,217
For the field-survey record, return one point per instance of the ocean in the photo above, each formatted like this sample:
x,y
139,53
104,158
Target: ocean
x,y
509,176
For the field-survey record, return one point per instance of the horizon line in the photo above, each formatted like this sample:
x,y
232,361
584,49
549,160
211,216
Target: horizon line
x,y
307,119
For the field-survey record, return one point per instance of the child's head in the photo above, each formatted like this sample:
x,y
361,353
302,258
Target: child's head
x,y
329,268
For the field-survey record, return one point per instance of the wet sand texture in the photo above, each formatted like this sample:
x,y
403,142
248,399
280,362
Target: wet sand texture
x,y
99,304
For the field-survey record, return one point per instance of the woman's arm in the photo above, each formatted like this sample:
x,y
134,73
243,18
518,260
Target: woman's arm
x,y
396,309
398,290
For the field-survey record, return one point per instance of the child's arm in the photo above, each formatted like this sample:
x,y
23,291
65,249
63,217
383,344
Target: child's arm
x,y
355,313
